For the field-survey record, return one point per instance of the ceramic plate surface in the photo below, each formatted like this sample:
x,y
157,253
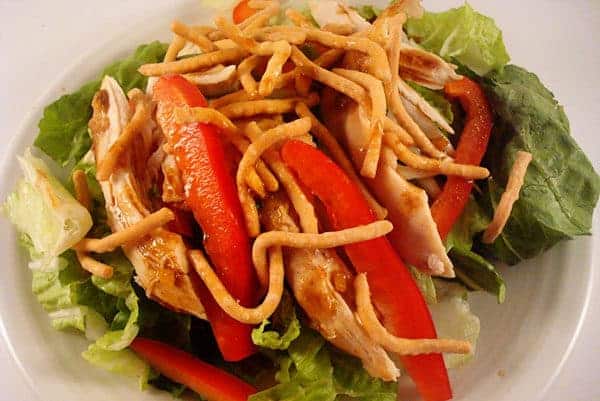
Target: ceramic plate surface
x,y
527,338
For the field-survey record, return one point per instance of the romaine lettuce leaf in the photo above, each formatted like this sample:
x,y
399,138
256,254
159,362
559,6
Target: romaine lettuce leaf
x,y
105,311
108,311
477,273
472,221
284,328
123,362
463,35
46,212
313,370
561,187
63,132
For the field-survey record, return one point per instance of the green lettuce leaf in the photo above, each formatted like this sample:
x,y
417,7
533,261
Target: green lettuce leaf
x,y
46,212
161,324
352,381
105,311
463,35
472,221
123,362
284,329
313,370
63,133
477,273
561,187
108,311
453,319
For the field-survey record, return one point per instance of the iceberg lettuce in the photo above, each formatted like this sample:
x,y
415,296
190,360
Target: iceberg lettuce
x,y
463,35
46,212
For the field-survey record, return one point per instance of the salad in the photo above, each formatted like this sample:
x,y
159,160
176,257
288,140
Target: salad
x,y
296,201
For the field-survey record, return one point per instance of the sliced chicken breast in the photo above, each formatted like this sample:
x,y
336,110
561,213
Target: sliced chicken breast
x,y
415,236
318,279
425,68
159,259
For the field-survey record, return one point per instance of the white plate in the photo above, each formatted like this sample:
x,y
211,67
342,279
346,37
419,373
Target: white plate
x,y
528,337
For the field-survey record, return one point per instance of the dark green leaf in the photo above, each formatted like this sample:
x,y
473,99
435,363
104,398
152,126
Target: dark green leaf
x,y
126,71
473,220
63,133
477,273
561,187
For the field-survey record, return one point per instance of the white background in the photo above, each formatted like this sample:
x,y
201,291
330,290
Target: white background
x,y
557,40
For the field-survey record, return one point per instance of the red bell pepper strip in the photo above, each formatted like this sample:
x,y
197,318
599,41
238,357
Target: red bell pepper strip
x,y
472,145
210,382
242,11
212,197
395,294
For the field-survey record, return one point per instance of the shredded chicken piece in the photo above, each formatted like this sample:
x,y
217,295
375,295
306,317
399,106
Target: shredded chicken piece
x,y
141,116
310,273
431,186
425,68
429,128
415,236
423,105
339,156
378,109
172,186
316,241
516,179
215,81
159,258
336,13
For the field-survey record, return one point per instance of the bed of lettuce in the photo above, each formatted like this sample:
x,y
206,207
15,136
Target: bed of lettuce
x,y
556,203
